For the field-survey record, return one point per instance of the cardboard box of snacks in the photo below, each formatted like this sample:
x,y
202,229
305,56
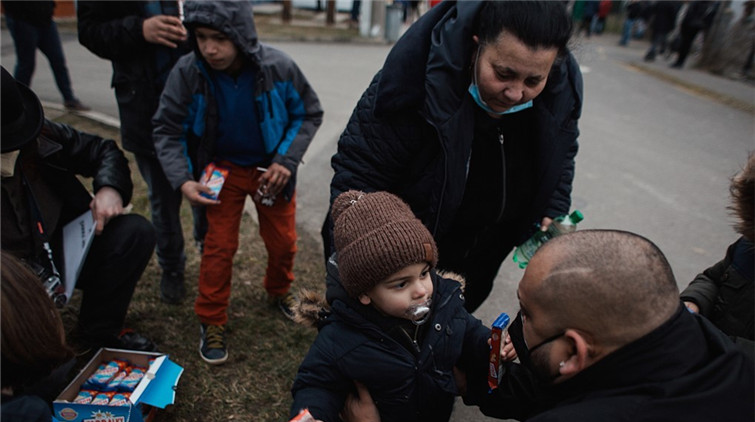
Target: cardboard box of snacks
x,y
119,386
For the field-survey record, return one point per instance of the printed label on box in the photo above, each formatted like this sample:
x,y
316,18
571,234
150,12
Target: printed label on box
x,y
213,177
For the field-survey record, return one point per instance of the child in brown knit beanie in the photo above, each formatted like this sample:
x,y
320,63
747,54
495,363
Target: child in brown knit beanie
x,y
390,321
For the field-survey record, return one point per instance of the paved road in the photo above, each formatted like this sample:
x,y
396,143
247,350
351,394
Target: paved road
x,y
655,156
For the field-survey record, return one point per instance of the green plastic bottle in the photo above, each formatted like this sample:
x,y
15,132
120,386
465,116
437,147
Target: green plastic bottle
x,y
559,226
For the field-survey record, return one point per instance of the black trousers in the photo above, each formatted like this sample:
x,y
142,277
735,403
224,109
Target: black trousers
x,y
687,37
477,255
114,264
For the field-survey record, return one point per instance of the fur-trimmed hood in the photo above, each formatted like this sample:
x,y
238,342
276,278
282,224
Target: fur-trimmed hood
x,y
314,307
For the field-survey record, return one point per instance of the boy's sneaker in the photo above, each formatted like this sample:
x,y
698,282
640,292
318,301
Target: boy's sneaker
x,y
212,344
285,302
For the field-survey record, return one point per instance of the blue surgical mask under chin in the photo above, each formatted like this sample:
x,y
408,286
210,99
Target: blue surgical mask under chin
x,y
474,91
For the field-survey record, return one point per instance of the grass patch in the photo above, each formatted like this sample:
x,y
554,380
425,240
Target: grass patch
x,y
265,348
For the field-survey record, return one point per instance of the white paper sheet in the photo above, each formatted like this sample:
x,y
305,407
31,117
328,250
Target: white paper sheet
x,y
77,238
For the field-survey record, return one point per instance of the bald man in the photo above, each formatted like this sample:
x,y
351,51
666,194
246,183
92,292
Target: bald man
x,y
603,336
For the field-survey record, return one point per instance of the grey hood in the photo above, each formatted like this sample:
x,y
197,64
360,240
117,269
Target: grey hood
x,y
233,18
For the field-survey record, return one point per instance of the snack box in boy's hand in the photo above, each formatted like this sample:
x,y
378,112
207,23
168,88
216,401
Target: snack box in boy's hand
x,y
101,393
213,177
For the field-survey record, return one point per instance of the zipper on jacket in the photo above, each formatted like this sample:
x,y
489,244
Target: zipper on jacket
x,y
260,113
269,103
434,231
501,140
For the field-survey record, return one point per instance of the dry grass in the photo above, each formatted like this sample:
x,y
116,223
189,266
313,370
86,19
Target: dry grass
x,y
265,348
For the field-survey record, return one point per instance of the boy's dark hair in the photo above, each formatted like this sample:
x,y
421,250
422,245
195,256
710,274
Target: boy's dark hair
x,y
33,337
538,24
742,191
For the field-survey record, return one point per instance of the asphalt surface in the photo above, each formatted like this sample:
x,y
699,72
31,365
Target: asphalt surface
x,y
657,145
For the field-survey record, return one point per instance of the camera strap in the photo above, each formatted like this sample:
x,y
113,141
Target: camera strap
x,y
39,224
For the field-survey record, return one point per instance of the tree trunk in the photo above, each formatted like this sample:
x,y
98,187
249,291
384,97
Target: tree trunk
x,y
330,18
286,16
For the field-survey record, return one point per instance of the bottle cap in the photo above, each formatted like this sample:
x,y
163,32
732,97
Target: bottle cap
x,y
576,216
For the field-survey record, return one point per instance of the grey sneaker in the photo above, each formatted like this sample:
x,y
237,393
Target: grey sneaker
x,y
212,344
172,287
286,303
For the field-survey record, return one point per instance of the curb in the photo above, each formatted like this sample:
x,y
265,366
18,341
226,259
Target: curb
x,y
695,88
95,116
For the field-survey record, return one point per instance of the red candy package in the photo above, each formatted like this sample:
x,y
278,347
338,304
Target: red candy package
x,y
119,399
103,398
496,338
132,379
213,177
104,374
303,416
85,396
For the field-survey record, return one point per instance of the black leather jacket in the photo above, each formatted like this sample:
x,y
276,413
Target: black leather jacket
x,y
51,165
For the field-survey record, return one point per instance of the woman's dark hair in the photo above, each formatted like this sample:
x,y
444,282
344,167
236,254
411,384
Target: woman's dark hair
x,y
538,24
32,340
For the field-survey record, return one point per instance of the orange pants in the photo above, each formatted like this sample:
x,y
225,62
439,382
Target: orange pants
x,y
277,228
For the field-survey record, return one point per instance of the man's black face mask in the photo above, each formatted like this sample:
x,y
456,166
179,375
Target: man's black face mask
x,y
538,367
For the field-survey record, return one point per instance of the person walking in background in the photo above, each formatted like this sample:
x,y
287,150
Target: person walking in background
x,y
143,40
41,192
603,10
31,26
633,15
410,11
247,107
699,17
725,292
662,23
476,132
356,6
589,13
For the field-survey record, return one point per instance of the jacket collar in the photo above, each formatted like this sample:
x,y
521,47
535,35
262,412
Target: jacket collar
x,y
686,350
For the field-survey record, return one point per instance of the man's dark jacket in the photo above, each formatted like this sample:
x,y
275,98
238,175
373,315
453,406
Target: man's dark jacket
x,y
50,164
113,31
686,370
412,131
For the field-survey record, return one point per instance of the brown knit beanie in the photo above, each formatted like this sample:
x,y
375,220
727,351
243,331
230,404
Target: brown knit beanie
x,y
376,235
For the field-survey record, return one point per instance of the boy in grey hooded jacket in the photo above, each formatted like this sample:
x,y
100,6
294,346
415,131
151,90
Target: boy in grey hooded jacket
x,y
245,107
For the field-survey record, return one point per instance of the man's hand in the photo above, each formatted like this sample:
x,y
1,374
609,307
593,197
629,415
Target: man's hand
x,y
275,179
545,223
360,408
191,190
164,30
106,204
508,353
